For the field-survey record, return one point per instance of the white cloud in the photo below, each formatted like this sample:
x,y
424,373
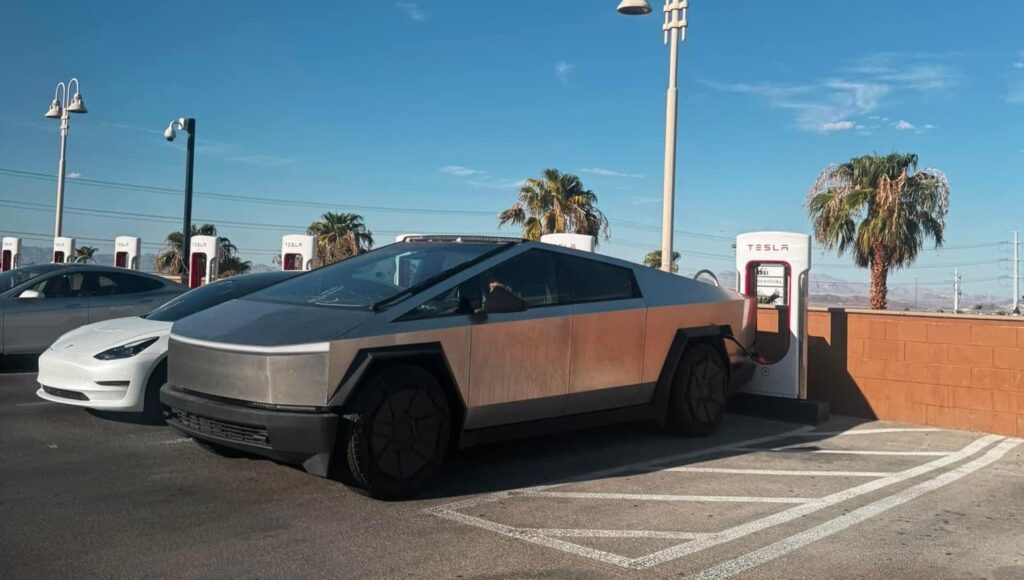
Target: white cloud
x,y
412,10
608,172
74,175
1018,65
563,70
1015,89
902,125
637,200
837,126
460,171
858,89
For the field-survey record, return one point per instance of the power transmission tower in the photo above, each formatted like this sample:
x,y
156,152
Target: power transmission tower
x,y
956,291
1016,274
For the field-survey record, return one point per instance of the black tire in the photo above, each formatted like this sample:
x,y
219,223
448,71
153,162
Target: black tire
x,y
152,408
402,434
699,391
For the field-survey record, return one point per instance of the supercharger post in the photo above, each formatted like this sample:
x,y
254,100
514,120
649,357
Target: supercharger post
x,y
63,250
126,252
298,252
11,254
581,242
203,260
775,267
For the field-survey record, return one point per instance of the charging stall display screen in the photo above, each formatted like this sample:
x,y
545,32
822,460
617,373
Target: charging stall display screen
x,y
197,271
58,257
7,259
771,284
121,259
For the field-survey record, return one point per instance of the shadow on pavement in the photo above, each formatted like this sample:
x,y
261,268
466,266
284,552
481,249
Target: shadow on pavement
x,y
19,363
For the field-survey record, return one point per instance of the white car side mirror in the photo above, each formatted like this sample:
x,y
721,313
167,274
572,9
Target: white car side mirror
x,y
30,294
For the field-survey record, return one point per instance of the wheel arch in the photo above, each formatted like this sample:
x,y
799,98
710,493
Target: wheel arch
x,y
429,356
683,339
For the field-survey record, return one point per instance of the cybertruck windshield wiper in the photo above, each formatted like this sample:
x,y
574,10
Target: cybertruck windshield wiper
x,y
430,281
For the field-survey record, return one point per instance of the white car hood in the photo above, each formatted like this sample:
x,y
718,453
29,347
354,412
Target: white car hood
x,y
100,336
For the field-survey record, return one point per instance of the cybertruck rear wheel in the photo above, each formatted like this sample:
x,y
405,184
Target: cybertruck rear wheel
x,y
699,391
401,437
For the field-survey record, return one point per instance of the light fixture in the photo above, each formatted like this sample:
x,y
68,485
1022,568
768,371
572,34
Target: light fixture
x,y
54,111
634,7
169,133
77,104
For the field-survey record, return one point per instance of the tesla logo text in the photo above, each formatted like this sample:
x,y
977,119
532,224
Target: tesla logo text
x,y
768,247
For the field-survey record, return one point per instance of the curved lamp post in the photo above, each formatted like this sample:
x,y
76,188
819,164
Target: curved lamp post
x,y
187,124
59,109
674,30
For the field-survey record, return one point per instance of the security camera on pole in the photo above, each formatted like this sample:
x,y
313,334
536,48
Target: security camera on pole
x,y
59,109
674,30
188,125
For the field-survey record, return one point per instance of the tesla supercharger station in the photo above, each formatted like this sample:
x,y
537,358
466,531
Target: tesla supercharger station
x,y
298,252
126,252
203,258
580,242
778,264
11,254
63,250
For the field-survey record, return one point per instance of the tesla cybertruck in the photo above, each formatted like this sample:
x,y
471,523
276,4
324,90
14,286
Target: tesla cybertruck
x,y
372,369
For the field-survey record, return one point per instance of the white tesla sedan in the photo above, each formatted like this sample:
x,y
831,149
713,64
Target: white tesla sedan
x,y
120,365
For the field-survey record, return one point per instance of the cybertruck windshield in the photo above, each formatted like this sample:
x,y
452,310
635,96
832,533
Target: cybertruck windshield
x,y
213,294
375,278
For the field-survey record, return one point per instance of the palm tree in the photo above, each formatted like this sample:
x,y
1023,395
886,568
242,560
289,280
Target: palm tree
x,y
882,209
170,258
553,204
340,235
85,254
653,260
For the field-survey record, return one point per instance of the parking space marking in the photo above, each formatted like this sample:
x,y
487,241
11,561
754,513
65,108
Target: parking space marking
x,y
799,449
859,515
799,511
697,541
577,533
664,497
870,431
812,473
34,404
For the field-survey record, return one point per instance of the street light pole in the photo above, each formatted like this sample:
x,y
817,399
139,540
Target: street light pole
x,y
187,124
674,30
59,109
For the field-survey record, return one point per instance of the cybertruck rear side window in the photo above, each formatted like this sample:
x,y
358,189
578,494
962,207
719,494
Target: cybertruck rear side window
x,y
594,281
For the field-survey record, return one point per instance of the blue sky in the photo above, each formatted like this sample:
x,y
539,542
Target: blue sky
x,y
374,104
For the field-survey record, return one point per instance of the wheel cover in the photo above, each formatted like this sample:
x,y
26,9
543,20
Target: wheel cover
x,y
705,392
405,433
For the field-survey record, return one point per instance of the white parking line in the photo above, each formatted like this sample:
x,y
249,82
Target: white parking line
x,y
799,449
812,473
870,431
799,511
664,497
576,533
859,515
34,403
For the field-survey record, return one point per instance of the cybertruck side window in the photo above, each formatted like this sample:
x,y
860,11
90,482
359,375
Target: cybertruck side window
x,y
594,281
533,276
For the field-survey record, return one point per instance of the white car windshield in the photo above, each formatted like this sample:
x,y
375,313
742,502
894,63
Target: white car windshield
x,y
368,279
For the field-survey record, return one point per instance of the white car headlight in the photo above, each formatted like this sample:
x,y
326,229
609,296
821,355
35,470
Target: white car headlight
x,y
126,350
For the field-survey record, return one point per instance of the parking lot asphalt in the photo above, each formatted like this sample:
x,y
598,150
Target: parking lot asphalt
x,y
84,496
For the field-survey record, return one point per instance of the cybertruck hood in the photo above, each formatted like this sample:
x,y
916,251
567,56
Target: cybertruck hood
x,y
248,322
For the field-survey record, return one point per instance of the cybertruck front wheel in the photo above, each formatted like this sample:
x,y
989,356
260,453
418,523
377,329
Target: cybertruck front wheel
x,y
399,441
699,391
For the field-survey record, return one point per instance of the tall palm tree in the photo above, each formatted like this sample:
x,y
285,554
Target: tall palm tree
x,y
85,254
340,235
653,260
882,209
555,203
170,259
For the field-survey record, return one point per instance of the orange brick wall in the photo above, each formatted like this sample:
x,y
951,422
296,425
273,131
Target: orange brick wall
x,y
948,371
